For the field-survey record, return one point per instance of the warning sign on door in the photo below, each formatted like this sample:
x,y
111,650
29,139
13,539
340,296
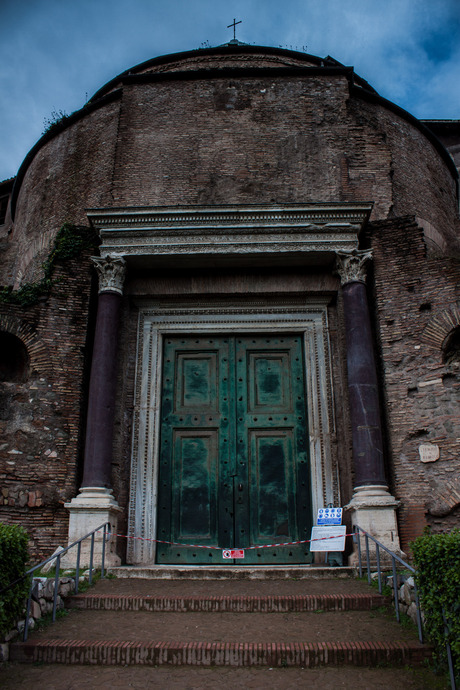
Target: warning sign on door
x,y
233,553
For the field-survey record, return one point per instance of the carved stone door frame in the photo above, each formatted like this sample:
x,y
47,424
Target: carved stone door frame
x,y
307,317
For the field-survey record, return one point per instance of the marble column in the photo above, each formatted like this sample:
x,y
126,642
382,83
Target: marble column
x,y
95,503
372,506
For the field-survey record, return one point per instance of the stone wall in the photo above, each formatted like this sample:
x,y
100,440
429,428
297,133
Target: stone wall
x,y
69,173
244,138
416,302
42,417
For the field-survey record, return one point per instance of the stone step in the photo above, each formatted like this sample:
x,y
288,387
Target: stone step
x,y
234,604
237,572
155,653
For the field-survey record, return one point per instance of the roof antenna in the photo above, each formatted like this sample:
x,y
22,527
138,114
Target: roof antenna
x,y
234,29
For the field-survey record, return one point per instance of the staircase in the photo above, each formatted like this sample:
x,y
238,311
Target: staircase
x,y
261,617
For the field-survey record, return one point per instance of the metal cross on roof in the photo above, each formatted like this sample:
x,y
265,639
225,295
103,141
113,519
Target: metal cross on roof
x,y
234,27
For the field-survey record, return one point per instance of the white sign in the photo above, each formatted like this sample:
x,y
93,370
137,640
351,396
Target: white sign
x,y
329,516
331,538
429,452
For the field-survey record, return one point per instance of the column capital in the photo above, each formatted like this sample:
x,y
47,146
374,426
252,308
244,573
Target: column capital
x,y
351,265
111,271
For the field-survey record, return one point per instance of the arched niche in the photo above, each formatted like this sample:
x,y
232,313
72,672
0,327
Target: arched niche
x,y
451,349
14,358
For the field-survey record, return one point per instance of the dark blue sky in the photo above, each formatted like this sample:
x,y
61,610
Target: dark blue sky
x,y
54,54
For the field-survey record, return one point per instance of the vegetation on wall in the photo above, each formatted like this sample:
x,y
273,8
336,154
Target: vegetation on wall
x,y
437,560
57,117
13,557
70,242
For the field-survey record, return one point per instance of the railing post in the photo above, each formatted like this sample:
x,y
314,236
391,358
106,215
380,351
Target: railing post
x,y
359,552
91,560
56,585
366,539
379,572
77,570
26,622
419,615
103,550
449,651
395,588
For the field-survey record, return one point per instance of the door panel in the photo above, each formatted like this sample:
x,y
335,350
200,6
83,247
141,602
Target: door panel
x,y
234,470
195,479
272,448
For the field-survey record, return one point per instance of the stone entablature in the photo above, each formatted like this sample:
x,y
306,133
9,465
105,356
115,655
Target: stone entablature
x,y
309,228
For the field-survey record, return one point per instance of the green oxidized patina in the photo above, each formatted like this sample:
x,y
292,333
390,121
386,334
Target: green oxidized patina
x,y
234,469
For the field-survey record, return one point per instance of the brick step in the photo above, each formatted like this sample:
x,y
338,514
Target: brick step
x,y
154,653
233,604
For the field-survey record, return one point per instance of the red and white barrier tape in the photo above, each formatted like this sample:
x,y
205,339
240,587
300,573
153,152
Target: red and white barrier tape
x,y
247,548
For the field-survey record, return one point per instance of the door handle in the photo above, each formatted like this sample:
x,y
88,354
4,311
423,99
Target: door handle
x,y
240,487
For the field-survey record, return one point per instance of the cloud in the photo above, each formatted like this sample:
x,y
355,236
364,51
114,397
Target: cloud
x,y
53,53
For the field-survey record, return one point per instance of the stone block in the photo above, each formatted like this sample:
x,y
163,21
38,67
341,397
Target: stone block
x,y
52,564
412,612
4,651
35,609
407,591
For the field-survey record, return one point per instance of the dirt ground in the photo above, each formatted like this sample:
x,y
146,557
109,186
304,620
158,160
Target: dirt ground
x,y
138,626
57,677
81,624
236,588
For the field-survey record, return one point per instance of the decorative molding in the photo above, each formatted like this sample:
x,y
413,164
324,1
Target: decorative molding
x,y
158,319
198,230
351,265
111,271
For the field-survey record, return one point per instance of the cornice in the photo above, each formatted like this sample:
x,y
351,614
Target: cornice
x,y
238,215
198,230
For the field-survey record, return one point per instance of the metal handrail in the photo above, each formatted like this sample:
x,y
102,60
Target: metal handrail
x,y
407,566
106,536
394,558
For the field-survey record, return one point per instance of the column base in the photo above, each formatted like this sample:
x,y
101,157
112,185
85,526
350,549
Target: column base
x,y
91,508
374,509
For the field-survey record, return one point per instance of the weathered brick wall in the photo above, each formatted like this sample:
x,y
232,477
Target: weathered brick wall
x,y
416,298
247,140
70,173
41,418
205,60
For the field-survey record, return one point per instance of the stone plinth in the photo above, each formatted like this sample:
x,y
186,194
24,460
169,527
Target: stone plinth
x,y
91,508
373,509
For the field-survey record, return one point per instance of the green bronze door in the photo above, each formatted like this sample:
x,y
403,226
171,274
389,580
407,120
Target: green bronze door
x,y
234,469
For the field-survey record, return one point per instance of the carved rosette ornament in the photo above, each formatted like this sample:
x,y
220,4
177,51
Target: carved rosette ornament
x,y
351,265
111,271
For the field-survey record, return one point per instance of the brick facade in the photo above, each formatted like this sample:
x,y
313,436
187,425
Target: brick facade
x,y
413,290
235,126
42,418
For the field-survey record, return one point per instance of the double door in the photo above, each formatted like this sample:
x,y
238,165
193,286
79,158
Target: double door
x,y
234,469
